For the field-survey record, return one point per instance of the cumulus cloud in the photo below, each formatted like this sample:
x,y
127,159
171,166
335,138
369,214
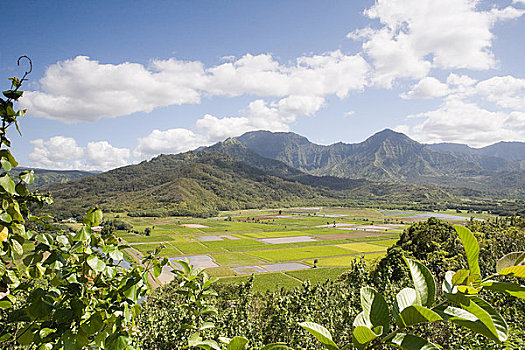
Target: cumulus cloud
x,y
102,155
428,87
466,122
168,141
274,116
60,152
83,89
417,35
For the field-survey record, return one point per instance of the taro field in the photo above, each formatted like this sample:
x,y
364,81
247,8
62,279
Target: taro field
x,y
281,247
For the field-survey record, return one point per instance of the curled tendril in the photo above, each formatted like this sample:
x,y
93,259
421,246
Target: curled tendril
x,y
30,66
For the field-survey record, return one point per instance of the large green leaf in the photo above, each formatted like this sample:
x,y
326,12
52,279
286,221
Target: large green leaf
x,y
405,298
483,319
96,263
412,342
237,343
514,271
320,333
415,314
423,281
375,308
506,287
471,248
363,336
7,184
511,259
116,341
83,234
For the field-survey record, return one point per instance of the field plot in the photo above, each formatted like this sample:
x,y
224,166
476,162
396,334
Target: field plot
x,y
279,246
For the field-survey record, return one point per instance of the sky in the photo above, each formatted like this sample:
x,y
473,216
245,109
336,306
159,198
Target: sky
x,y
119,82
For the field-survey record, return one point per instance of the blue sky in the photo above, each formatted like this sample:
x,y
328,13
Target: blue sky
x,y
117,82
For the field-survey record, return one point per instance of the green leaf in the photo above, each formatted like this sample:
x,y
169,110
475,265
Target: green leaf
x,y
5,337
506,287
93,217
415,314
237,343
363,336
375,308
95,263
405,298
5,304
27,176
412,342
5,164
471,248
511,259
196,341
486,320
83,234
116,341
320,333
460,277
514,271
17,247
423,281
7,184
13,94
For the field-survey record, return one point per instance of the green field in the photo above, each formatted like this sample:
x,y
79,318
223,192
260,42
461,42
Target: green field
x,y
371,233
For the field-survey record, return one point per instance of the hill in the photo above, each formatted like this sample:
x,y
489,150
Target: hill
x,y
200,183
44,177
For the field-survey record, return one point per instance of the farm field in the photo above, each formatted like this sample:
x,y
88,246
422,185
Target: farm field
x,y
281,247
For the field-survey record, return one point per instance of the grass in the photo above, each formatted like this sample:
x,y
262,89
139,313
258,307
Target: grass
x,y
337,261
290,254
153,238
194,248
234,244
318,275
362,247
388,243
236,259
221,271
266,281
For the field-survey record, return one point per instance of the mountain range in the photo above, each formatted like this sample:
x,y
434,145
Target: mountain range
x,y
263,169
394,157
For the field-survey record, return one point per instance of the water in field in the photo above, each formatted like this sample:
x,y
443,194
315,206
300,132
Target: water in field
x,y
442,216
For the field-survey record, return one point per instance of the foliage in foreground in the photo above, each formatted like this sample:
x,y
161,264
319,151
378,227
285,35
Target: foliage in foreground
x,y
59,289
273,317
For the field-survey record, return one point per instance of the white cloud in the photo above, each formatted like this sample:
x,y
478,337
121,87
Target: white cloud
x,y
275,116
465,122
82,89
85,90
349,113
168,141
506,92
60,152
427,87
417,35
102,155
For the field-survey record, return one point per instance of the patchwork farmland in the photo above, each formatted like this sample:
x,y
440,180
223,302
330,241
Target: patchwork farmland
x,y
281,247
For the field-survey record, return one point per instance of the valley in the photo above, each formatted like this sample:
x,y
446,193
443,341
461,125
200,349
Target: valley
x,y
281,246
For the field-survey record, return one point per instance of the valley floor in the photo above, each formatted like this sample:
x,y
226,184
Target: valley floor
x,y
282,248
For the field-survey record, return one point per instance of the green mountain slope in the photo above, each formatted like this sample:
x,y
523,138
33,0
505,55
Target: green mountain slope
x,y
45,177
393,157
200,183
